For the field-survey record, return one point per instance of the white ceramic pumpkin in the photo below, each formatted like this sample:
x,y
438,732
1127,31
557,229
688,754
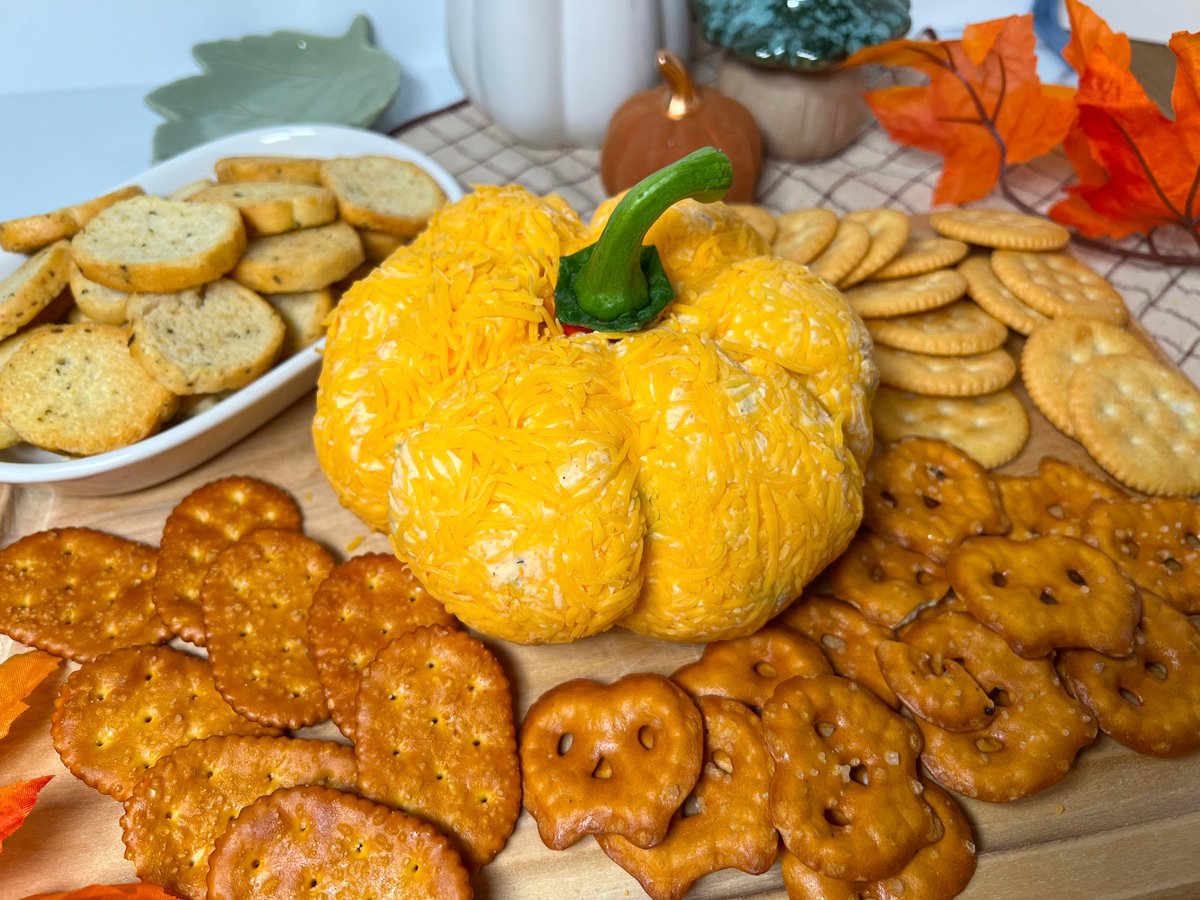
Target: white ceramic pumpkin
x,y
552,72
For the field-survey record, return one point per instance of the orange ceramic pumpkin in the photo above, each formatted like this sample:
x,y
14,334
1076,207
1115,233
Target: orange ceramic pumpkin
x,y
657,127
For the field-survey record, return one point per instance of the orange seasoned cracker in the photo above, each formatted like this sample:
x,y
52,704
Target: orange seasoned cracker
x,y
116,716
883,581
1155,542
365,602
610,759
179,808
1045,593
203,524
1053,500
928,496
723,823
844,794
1037,729
847,638
941,870
436,738
748,668
307,841
1149,700
256,598
78,593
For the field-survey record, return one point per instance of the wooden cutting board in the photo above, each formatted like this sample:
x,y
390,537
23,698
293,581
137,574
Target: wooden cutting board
x,y
1120,825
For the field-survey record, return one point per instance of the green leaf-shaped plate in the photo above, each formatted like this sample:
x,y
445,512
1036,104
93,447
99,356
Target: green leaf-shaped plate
x,y
286,76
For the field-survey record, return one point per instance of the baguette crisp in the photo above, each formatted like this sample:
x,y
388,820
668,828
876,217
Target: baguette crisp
x,y
274,207
305,260
298,169
383,194
33,287
25,235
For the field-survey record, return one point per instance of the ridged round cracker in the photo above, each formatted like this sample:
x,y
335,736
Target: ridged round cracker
x,y
1059,285
78,593
307,841
759,218
200,526
33,286
903,296
1055,351
181,807
97,301
803,234
990,428
116,716
945,376
213,338
436,738
365,603
888,229
960,329
305,260
273,207
158,245
76,389
998,301
256,596
1141,421
730,828
1000,228
920,255
848,246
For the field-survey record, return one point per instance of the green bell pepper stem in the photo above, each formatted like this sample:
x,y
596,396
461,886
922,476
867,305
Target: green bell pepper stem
x,y
612,281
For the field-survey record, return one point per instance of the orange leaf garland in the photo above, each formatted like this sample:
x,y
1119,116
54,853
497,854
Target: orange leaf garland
x,y
983,108
19,675
16,802
1137,169
136,891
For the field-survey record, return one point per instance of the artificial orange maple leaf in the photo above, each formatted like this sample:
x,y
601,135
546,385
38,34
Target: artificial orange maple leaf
x,y
1137,169
19,675
137,891
983,108
16,802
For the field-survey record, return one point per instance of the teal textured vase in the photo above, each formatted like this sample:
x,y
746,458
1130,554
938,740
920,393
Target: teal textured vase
x,y
800,34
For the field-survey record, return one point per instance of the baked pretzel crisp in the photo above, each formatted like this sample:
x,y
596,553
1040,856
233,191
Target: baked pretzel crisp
x,y
78,593
116,716
203,524
723,823
929,496
883,581
1046,593
313,841
255,599
1155,542
936,690
1037,728
1150,700
1052,501
846,638
938,872
186,801
845,795
749,668
610,759
436,738
362,605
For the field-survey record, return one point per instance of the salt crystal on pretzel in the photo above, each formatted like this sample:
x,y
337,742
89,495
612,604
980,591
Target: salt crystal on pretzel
x,y
313,841
610,759
749,668
845,795
435,737
1045,593
723,823
78,593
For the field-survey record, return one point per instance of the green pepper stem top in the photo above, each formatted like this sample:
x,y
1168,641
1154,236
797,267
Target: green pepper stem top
x,y
616,284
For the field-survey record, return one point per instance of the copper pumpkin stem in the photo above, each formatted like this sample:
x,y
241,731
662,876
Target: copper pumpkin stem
x,y
684,99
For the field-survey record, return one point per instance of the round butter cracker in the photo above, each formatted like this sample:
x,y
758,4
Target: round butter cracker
x,y
995,299
903,296
945,376
999,228
960,329
1059,285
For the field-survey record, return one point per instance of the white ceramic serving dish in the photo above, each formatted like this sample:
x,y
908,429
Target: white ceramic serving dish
x,y
186,445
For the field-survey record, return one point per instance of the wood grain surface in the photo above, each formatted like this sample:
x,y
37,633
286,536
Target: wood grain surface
x,y
1120,825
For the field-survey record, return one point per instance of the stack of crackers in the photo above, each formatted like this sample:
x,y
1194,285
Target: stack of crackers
x,y
216,795
945,298
133,310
